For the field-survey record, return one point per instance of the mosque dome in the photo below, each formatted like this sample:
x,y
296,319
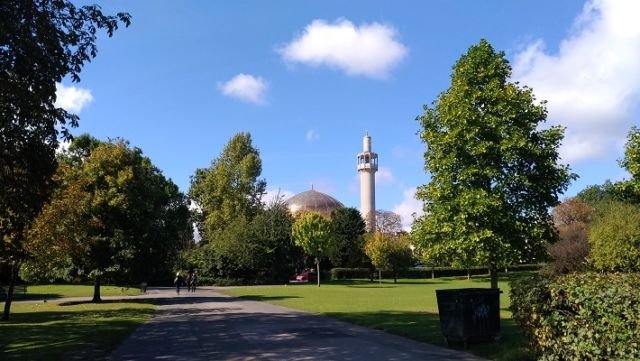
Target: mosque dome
x,y
313,202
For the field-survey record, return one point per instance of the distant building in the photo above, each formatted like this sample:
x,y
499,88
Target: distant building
x,y
367,167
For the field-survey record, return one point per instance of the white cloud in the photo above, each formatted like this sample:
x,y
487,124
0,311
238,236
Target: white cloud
x,y
245,87
72,99
593,82
408,208
370,49
384,176
272,193
312,135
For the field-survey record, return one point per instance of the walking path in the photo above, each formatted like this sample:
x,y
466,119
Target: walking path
x,y
211,326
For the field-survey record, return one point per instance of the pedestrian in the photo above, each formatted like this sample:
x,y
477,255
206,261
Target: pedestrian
x,y
178,282
193,282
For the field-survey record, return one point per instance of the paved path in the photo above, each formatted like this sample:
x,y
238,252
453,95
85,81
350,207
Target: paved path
x,y
212,326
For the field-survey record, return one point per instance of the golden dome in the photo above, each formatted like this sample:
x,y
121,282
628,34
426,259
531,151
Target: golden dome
x,y
313,202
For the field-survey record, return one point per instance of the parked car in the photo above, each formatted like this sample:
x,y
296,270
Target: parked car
x,y
306,276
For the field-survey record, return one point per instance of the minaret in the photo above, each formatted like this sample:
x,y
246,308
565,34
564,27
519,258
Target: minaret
x,y
367,167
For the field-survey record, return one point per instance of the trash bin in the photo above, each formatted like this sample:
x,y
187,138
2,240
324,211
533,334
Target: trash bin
x,y
469,314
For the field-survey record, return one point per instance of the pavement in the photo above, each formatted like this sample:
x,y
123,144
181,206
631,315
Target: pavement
x,y
208,325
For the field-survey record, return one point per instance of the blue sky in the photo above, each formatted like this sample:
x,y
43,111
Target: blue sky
x,y
307,79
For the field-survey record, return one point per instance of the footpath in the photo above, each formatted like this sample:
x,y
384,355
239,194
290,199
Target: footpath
x,y
207,325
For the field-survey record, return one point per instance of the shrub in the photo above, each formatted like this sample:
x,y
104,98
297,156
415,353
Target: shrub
x,y
349,273
615,238
571,251
581,316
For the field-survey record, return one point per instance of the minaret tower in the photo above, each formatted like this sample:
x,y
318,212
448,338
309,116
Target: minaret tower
x,y
367,167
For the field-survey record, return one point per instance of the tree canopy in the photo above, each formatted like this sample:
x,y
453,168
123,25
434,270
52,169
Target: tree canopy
x,y
41,42
230,187
348,228
312,233
494,171
114,215
389,252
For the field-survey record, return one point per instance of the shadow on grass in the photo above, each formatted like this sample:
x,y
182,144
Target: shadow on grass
x,y
425,327
63,335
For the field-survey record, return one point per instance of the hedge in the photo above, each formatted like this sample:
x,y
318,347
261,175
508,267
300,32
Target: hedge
x,y
425,272
580,316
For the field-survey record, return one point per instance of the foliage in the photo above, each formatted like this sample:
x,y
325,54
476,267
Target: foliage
x,y
256,251
629,190
615,238
580,316
595,195
312,233
389,253
41,42
114,215
229,188
570,253
388,222
348,228
494,170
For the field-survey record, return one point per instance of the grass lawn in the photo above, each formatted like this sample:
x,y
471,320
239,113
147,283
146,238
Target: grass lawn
x,y
82,331
408,308
49,292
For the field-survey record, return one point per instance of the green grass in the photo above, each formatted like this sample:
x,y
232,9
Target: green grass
x,y
408,308
82,331
49,292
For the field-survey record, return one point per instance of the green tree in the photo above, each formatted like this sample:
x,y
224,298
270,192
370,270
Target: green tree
x,y
313,234
41,42
597,194
494,171
348,229
615,238
114,215
230,187
629,190
389,252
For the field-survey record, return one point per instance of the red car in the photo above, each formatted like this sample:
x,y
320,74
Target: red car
x,y
306,276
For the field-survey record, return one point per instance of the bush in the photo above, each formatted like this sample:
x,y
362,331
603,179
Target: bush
x,y
570,253
349,273
580,317
615,238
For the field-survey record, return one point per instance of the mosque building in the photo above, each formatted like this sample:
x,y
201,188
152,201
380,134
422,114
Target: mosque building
x,y
312,201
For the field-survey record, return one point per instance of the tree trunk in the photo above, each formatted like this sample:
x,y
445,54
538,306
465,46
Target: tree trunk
x,y
493,274
12,282
379,276
468,274
96,291
318,270
433,273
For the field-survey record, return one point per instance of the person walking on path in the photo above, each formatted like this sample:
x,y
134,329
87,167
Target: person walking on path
x,y
192,281
178,282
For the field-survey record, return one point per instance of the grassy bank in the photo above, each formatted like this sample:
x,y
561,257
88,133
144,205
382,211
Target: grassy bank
x,y
80,331
408,308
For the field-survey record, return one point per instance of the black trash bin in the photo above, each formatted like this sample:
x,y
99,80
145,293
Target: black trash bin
x,y
469,314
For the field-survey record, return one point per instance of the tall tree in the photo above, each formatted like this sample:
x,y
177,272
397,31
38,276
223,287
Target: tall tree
x,y
230,187
494,171
114,215
41,42
348,230
312,232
